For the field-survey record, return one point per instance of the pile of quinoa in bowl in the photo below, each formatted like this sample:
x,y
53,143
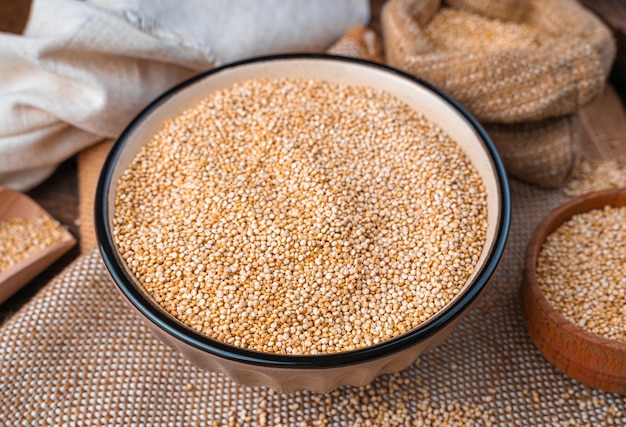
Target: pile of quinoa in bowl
x,y
299,221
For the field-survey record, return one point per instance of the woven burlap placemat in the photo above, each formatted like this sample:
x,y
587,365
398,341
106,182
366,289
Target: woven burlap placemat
x,y
77,355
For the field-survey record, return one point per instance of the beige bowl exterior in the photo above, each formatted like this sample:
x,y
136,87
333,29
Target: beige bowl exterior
x,y
338,70
289,380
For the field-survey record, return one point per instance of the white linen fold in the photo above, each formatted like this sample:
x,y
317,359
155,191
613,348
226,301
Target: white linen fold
x,y
83,69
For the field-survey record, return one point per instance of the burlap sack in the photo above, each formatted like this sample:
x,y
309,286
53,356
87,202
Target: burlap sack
x,y
526,97
542,153
509,86
510,10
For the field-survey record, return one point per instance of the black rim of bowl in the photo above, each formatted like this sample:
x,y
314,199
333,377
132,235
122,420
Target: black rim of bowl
x,y
178,330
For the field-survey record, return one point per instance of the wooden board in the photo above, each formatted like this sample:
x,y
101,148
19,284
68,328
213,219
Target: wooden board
x,y
17,205
613,13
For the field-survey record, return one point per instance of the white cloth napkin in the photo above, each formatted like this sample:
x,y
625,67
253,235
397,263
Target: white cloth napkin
x,y
83,69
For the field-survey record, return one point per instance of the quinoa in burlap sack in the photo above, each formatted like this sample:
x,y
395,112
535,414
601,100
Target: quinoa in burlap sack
x,y
522,68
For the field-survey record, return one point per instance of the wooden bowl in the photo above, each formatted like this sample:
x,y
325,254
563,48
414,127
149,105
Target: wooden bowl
x,y
18,205
589,358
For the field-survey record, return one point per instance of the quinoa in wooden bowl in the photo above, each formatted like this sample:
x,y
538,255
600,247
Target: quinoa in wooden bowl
x,y
303,221
574,292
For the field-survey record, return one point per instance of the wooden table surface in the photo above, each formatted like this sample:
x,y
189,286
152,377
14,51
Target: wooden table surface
x,y
59,194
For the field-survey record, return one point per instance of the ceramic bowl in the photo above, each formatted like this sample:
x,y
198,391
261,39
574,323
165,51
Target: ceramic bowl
x,y
589,358
327,371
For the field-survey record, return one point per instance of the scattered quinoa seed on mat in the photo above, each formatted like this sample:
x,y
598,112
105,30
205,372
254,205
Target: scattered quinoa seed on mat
x,y
581,269
596,176
301,217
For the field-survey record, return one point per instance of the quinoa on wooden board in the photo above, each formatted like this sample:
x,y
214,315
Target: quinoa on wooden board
x,y
301,217
24,237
